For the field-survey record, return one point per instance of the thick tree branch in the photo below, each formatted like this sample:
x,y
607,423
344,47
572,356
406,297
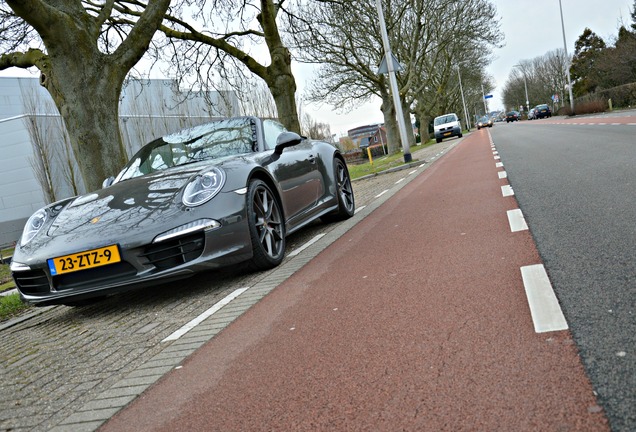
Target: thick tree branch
x,y
24,60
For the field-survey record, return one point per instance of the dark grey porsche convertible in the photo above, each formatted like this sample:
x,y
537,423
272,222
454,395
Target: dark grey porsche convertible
x,y
210,196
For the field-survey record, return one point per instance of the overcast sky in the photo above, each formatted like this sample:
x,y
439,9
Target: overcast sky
x,y
531,29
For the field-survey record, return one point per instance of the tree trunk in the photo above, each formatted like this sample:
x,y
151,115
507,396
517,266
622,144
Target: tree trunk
x,y
406,111
282,85
87,95
390,116
280,78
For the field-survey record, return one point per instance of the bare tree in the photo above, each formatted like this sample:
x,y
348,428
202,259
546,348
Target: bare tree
x,y
214,45
83,62
428,37
41,160
52,162
315,129
258,101
544,76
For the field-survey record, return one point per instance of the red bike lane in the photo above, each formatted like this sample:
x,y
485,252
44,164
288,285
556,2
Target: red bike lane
x,y
415,319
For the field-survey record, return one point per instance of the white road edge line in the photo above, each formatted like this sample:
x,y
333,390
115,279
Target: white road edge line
x,y
306,245
198,320
381,193
507,191
546,312
499,165
502,174
359,208
516,220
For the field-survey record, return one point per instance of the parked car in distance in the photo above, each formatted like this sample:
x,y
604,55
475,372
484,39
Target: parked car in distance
x,y
531,114
485,121
542,111
206,197
512,116
446,126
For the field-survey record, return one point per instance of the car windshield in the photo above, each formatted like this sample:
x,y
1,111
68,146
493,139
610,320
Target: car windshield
x,y
542,106
214,140
444,119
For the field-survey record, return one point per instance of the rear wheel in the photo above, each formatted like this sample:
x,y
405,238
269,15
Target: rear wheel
x,y
344,190
266,225
439,140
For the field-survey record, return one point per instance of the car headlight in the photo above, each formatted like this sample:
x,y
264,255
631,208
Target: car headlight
x,y
203,187
33,225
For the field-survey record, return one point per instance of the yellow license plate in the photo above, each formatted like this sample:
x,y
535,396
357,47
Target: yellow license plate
x,y
84,260
447,133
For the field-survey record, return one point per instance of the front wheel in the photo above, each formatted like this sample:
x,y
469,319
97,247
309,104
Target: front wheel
x,y
344,191
266,225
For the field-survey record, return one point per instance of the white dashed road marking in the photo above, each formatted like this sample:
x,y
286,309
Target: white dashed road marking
x,y
516,220
507,191
306,245
381,193
498,165
198,320
502,174
546,313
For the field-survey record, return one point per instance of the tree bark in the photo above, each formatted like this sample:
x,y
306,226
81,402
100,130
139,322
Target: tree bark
x,y
390,122
85,83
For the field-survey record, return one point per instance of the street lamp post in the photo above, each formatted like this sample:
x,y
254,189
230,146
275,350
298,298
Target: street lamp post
x,y
461,89
393,82
565,47
484,99
525,85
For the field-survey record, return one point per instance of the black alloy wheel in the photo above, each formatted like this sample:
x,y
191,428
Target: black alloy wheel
x,y
267,227
344,190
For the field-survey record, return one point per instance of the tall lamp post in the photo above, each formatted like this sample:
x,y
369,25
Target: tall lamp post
x,y
525,84
393,82
461,89
565,47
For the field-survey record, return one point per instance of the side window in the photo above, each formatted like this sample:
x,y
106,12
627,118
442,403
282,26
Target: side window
x,y
271,130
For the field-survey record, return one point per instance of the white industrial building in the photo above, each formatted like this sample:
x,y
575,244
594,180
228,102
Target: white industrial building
x,y
31,131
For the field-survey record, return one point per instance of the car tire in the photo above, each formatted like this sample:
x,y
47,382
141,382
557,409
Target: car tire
x,y
266,225
438,140
344,191
460,135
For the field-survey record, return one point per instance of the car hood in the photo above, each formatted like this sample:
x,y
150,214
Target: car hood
x,y
131,204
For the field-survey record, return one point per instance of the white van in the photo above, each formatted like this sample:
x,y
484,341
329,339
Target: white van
x,y
446,126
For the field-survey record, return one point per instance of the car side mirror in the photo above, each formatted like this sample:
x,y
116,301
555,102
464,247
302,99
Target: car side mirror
x,y
286,139
107,182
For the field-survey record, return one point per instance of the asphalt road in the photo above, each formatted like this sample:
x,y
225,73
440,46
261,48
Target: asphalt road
x,y
575,181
